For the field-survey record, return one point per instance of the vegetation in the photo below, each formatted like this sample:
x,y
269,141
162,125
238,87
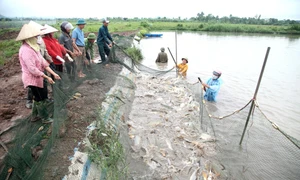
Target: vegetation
x,y
200,22
107,152
135,53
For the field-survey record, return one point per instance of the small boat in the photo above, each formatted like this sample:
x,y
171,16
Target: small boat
x,y
153,35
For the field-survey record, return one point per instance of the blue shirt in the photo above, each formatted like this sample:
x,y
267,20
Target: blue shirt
x,y
79,36
103,35
214,87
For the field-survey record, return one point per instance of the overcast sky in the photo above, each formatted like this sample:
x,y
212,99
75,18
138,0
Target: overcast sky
x,y
280,9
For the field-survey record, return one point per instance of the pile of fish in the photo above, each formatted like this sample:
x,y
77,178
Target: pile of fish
x,y
165,131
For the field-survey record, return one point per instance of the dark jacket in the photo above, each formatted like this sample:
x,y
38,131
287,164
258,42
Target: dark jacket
x,y
103,35
162,57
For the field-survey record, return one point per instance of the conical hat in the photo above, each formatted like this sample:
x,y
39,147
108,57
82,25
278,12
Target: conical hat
x,y
37,25
28,31
48,29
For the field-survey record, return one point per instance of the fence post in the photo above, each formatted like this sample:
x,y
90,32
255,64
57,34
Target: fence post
x,y
256,91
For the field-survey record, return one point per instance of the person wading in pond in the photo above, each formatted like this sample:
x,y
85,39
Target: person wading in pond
x,y
162,56
66,40
33,66
183,67
78,39
104,41
212,86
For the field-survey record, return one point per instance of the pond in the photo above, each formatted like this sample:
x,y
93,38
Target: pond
x,y
240,58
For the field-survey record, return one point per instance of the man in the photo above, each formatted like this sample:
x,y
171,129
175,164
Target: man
x,y
104,41
183,67
89,46
162,56
212,86
78,39
66,40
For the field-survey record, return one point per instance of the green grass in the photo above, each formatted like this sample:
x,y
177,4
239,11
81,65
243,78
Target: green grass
x,y
10,47
107,151
7,49
135,53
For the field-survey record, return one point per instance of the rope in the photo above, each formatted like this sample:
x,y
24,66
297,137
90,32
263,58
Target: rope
x,y
275,126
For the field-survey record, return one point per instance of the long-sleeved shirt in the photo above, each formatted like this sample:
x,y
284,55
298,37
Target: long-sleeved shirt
x,y
214,87
162,57
182,69
44,52
54,49
103,35
89,48
33,66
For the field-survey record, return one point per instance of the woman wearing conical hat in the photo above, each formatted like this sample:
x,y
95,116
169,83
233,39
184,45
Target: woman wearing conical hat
x,y
33,66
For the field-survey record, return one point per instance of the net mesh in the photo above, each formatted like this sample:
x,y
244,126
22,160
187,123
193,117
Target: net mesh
x,y
274,156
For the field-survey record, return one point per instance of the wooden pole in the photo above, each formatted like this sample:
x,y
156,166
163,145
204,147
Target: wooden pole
x,y
176,52
256,91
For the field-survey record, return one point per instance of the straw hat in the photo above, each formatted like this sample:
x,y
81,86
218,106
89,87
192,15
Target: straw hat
x,y
48,29
186,59
28,31
37,25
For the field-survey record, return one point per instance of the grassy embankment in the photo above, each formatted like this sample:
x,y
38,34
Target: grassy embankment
x,y
10,47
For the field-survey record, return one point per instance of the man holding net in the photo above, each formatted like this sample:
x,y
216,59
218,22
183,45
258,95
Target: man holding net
x,y
104,41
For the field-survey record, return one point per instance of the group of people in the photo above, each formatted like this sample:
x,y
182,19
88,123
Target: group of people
x,y
43,58
211,87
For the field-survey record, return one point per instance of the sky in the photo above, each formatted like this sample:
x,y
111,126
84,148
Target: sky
x,y
279,9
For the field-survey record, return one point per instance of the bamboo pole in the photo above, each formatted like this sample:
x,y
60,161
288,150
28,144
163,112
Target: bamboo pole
x,y
255,94
176,52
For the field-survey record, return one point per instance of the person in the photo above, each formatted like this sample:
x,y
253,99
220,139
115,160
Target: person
x,y
33,66
44,53
78,39
104,41
67,42
89,46
212,86
56,51
162,56
183,67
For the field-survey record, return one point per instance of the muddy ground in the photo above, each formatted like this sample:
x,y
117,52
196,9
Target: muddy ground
x,y
80,111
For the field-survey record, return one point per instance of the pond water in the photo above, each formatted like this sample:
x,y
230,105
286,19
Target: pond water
x,y
240,58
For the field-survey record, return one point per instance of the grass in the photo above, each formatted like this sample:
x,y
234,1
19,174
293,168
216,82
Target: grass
x,y
107,152
7,49
135,53
10,47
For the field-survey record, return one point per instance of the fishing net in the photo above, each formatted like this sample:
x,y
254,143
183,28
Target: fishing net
x,y
34,144
266,152
274,156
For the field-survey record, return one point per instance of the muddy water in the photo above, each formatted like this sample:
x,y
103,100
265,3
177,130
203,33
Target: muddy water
x,y
240,57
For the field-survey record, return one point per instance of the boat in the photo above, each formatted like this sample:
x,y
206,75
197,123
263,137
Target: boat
x,y
153,35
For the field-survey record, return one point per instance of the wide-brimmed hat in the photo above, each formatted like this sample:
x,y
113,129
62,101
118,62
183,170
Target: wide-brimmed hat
x,y
28,31
80,21
91,36
48,29
187,61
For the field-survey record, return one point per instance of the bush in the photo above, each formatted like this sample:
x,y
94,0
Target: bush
x,y
135,53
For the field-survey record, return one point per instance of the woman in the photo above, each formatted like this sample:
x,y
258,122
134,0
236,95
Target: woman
x,y
55,50
65,39
33,66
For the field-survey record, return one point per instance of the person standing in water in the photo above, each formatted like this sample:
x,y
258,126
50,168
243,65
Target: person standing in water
x,y
212,86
